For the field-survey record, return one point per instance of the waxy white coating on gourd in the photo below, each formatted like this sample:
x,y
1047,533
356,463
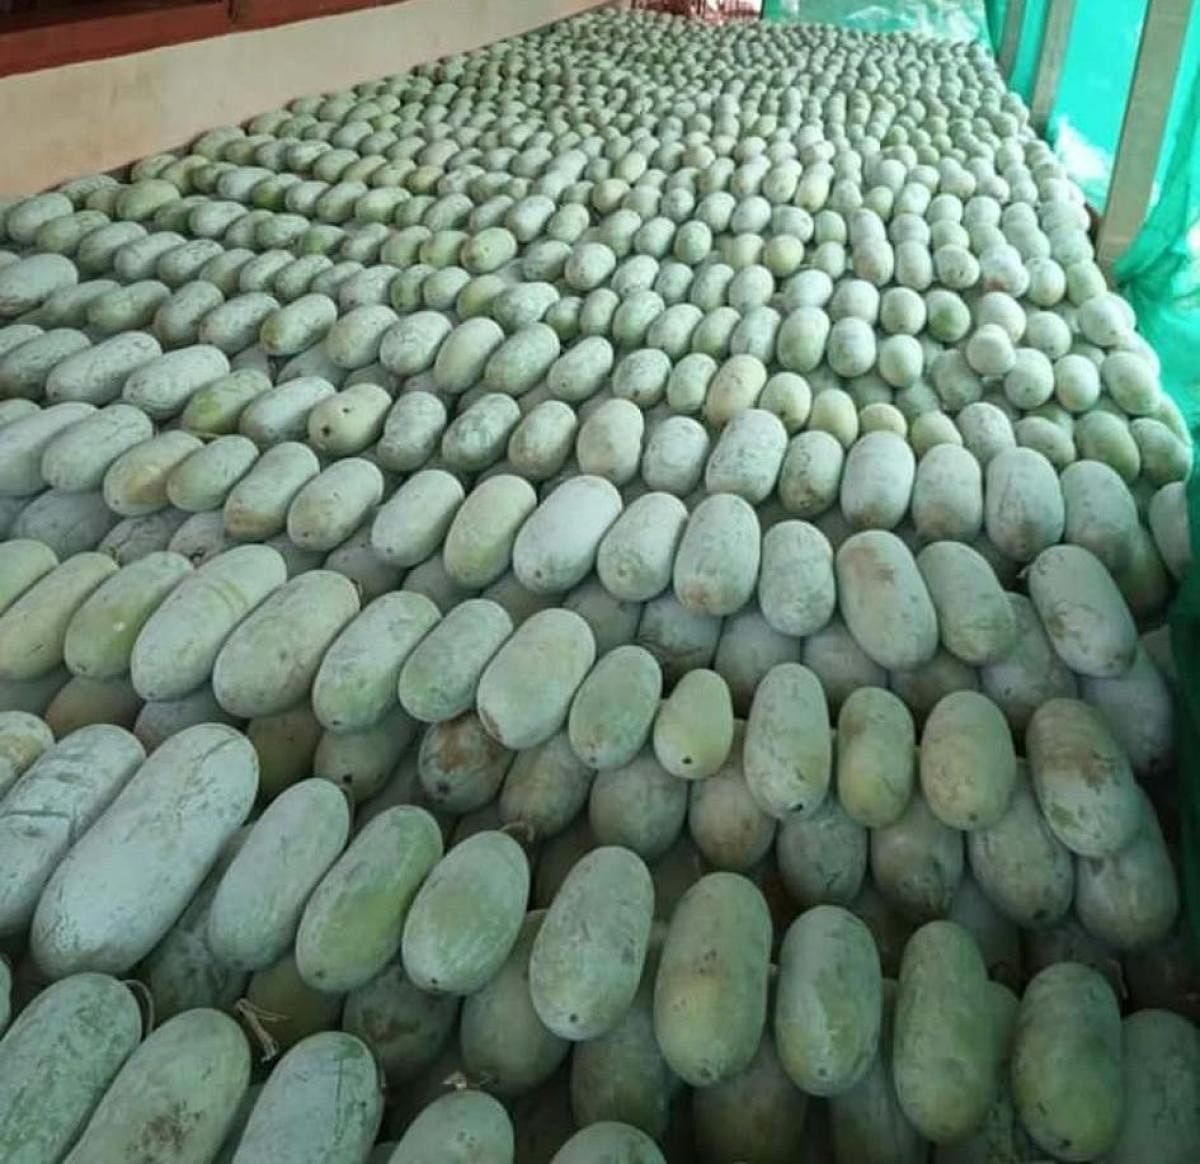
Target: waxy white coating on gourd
x,y
1066,1064
53,804
181,1087
254,914
1023,868
526,690
439,678
68,523
478,435
479,541
875,756
884,600
356,682
615,707
23,561
1083,612
24,369
587,958
24,442
215,409
947,497
321,1102
796,587
350,421
636,554
136,482
787,752
281,413
411,431
23,738
330,506
716,565
57,1061
1082,779
77,459
968,765
828,1002
34,627
177,647
748,455
413,522
353,921
557,546
877,481
720,932
256,507
461,1127
467,915
123,884
945,1048
975,618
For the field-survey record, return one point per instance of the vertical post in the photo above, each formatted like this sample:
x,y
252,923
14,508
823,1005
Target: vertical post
x,y
1050,62
1010,40
1146,112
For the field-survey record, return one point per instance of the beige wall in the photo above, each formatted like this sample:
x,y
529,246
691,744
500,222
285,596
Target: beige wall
x,y
62,122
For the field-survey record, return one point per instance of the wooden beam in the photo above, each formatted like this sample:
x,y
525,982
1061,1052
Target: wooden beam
x,y
1010,41
33,40
1050,62
1146,111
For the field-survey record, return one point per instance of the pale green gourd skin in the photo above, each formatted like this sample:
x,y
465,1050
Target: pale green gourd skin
x,y
884,600
609,1140
33,628
787,752
587,958
467,915
256,507
501,1036
180,807
321,1102
710,996
257,906
328,508
179,644
734,505
614,708
155,1095
352,923
77,460
24,369
944,1049
23,563
1066,1066
52,804
465,1127
828,1001
59,1057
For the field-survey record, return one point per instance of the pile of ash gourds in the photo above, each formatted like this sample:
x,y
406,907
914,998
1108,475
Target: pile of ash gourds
x,y
598,600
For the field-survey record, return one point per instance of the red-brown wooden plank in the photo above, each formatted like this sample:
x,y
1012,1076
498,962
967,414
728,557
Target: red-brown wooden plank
x,y
43,40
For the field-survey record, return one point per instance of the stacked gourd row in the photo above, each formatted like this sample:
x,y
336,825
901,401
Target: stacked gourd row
x,y
625,572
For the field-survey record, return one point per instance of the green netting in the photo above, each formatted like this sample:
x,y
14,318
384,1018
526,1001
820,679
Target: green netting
x,y
953,19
